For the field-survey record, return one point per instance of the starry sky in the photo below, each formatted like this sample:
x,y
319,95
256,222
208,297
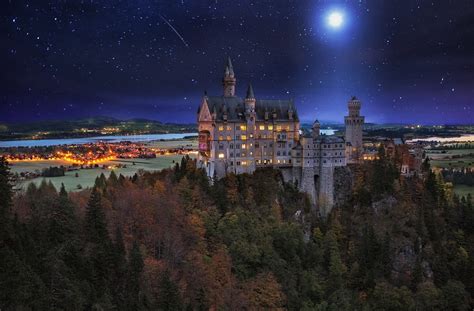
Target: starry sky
x,y
409,61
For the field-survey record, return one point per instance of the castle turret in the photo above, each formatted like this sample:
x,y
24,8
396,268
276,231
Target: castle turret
x,y
316,129
250,100
229,81
354,125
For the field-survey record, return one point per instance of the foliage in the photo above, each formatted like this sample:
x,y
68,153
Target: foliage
x,y
171,240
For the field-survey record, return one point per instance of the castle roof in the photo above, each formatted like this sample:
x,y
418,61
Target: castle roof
x,y
235,108
250,93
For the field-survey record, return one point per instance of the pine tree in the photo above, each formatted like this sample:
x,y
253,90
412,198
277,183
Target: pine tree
x,y
169,297
96,227
135,269
5,200
99,250
336,268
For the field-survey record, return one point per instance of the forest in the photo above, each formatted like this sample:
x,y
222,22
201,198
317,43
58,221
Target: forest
x,y
173,240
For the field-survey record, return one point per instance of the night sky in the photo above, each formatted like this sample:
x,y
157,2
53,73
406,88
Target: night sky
x,y
408,61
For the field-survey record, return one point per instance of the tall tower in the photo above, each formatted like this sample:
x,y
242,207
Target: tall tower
x,y
228,82
354,124
316,129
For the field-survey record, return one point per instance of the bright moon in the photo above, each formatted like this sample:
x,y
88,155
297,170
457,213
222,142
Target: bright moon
x,y
335,19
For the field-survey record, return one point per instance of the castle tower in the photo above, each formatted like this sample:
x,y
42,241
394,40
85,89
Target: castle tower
x,y
251,128
228,82
354,124
250,100
316,129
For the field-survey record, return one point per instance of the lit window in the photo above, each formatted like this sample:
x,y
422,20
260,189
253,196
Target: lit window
x,y
221,127
221,156
229,128
221,138
244,146
243,127
261,127
243,137
228,137
278,128
270,127
244,162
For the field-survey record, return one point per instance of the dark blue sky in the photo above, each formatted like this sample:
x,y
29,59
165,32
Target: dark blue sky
x,y
408,61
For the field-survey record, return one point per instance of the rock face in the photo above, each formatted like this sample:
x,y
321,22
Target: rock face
x,y
343,181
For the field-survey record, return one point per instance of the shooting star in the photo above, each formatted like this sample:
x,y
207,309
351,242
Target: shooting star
x,y
175,31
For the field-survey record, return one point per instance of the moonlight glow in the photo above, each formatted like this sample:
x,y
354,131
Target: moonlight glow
x,y
335,19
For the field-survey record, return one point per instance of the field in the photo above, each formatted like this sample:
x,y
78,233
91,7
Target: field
x,y
451,158
172,144
456,159
463,190
86,177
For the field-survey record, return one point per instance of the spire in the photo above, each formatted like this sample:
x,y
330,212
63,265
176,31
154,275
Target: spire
x,y
250,93
229,68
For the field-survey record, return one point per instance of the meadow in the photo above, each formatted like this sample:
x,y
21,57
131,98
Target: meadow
x,y
453,159
86,177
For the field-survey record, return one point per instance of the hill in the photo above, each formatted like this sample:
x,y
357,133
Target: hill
x,y
89,127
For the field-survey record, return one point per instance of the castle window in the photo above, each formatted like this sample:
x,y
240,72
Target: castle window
x,y
244,137
244,146
261,127
237,127
243,127
221,137
278,128
231,146
238,162
229,128
244,162
228,137
221,156
237,154
278,153
257,145
221,127
221,147
270,127
231,163
231,154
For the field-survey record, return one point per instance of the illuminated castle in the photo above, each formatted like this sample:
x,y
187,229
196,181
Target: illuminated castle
x,y
238,135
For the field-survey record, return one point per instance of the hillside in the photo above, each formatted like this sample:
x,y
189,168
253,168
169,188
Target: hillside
x,y
89,127
172,241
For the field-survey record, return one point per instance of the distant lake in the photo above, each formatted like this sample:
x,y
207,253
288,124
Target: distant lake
x,y
327,132
460,139
87,140
110,139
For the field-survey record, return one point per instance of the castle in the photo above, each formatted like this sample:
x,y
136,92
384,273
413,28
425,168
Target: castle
x,y
239,135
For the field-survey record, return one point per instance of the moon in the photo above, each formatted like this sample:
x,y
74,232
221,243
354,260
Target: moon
x,y
335,19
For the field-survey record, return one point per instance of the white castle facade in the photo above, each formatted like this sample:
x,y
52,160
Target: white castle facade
x,y
238,135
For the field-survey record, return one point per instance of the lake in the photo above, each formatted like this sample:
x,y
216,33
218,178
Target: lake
x,y
110,139
87,140
460,139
